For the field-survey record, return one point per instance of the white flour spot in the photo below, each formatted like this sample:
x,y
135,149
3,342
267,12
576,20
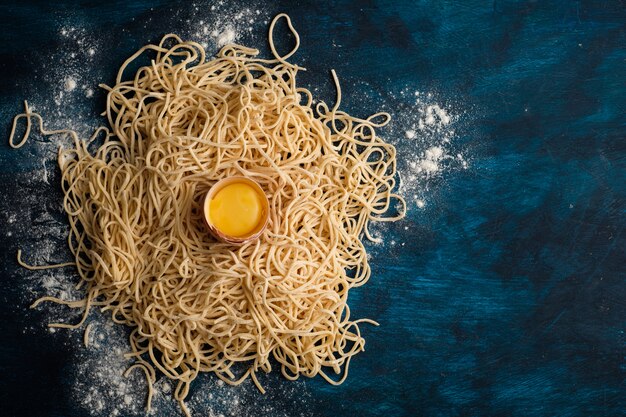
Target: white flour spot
x,y
434,114
69,84
429,164
425,151
226,37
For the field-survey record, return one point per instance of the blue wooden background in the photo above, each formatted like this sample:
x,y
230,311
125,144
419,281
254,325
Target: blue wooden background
x,y
509,295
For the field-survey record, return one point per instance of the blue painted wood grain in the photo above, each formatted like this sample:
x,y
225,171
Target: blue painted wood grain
x,y
509,296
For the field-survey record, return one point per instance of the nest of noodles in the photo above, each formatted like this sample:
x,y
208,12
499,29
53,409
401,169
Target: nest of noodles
x,y
141,247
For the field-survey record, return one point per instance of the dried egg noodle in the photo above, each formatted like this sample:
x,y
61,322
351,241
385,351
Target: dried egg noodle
x,y
143,253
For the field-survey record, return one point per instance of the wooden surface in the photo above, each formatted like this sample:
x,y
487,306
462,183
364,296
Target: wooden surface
x,y
508,295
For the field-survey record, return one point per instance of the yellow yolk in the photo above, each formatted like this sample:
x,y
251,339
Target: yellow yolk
x,y
236,209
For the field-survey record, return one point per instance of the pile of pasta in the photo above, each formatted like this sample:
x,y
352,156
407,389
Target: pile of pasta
x,y
133,196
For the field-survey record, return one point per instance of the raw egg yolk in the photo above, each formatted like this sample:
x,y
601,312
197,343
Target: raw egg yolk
x,y
236,210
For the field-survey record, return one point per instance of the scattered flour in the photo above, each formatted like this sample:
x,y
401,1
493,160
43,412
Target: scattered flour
x,y
64,76
58,286
228,36
434,113
429,164
427,149
224,23
99,385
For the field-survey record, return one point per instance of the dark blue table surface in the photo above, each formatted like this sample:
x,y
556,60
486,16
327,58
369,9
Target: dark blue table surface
x,y
508,296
